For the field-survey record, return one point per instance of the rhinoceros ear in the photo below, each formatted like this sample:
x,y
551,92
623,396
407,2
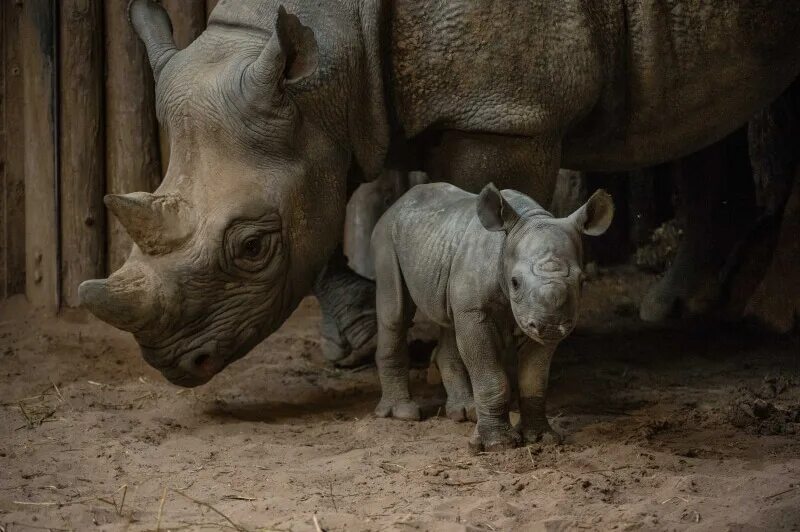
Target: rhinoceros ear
x,y
299,47
494,212
594,216
154,28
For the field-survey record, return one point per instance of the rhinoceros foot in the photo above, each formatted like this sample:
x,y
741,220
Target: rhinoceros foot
x,y
400,409
461,409
686,288
494,438
543,433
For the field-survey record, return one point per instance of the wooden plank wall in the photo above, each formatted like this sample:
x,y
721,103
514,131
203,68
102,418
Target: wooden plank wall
x,y
132,150
81,145
38,33
77,121
12,187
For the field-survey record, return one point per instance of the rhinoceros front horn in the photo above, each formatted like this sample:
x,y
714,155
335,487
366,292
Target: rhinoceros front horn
x,y
156,223
128,300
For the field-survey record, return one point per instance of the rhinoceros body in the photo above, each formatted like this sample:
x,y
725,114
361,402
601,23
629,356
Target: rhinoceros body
x,y
274,114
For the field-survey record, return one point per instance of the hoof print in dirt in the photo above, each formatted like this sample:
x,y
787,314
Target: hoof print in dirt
x,y
405,410
753,413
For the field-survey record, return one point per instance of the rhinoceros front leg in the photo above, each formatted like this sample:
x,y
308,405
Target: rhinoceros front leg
x,y
460,402
480,344
347,301
533,375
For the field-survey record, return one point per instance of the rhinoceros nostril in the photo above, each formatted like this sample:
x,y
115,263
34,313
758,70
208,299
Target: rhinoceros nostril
x,y
201,360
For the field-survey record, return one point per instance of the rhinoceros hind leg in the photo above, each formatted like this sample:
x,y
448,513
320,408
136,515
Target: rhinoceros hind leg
x,y
776,301
348,324
460,404
717,208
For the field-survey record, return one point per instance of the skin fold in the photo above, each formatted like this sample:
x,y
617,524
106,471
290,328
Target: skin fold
x,y
479,267
278,111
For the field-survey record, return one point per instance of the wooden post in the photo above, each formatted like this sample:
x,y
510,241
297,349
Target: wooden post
x,y
81,135
210,5
12,171
188,21
41,180
132,150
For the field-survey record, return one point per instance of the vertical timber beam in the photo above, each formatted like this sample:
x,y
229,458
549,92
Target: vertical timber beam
x,y
210,5
13,237
188,21
81,150
39,37
132,149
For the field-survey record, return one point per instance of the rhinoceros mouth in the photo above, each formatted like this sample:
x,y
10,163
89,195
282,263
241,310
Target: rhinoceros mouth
x,y
186,380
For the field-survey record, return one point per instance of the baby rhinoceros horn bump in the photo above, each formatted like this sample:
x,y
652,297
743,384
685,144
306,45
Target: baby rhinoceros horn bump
x,y
156,222
551,267
552,295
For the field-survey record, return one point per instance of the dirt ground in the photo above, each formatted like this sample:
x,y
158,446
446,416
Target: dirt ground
x,y
667,428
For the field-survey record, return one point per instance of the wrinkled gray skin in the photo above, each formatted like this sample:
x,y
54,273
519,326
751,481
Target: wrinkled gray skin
x,y
478,266
273,116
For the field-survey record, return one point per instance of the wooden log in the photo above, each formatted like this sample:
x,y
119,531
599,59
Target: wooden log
x,y
210,5
188,21
12,184
81,134
37,27
132,149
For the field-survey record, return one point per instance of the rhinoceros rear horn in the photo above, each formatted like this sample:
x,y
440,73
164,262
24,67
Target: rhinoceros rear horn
x,y
290,55
156,223
154,28
128,299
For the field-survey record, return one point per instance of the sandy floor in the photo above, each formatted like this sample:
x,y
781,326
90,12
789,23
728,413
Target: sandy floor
x,y
667,429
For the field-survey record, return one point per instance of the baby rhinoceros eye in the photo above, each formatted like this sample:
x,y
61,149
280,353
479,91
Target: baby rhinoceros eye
x,y
515,283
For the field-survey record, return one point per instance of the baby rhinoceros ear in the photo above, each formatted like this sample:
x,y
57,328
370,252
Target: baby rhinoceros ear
x,y
594,216
494,212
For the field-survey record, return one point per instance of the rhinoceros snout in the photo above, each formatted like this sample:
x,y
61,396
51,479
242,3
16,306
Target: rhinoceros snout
x,y
191,369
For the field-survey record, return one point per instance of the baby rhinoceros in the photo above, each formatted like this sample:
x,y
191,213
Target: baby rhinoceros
x,y
480,267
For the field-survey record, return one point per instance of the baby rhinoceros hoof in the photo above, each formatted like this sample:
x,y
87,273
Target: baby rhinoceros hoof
x,y
494,439
461,410
400,409
542,434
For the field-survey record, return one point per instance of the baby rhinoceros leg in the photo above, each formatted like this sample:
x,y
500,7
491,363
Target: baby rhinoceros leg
x,y
395,311
533,374
480,345
460,403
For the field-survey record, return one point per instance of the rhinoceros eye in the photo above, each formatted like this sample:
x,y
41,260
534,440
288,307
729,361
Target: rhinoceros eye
x,y
251,247
251,244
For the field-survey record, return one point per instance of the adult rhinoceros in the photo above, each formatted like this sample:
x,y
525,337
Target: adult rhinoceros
x,y
274,115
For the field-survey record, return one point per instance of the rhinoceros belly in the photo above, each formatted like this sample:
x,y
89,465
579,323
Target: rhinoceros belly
x,y
625,83
695,71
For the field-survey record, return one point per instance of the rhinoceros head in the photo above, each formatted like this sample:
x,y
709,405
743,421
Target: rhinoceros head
x,y
253,200
542,258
